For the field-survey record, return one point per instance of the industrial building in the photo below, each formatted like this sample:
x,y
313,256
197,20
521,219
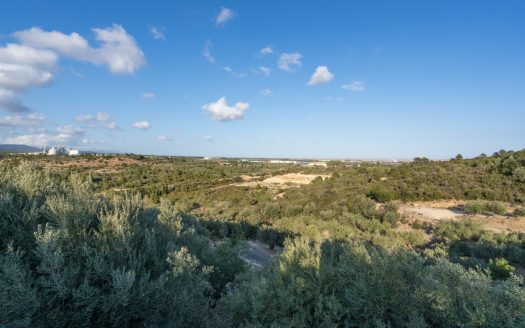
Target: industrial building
x,y
57,151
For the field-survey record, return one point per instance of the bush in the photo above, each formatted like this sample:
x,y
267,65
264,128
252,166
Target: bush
x,y
500,268
364,206
272,211
381,194
519,174
92,261
381,289
485,207
519,211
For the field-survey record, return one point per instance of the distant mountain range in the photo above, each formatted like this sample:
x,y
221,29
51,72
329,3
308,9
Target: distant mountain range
x,y
19,148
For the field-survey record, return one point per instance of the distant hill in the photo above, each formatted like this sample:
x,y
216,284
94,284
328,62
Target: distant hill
x,y
19,148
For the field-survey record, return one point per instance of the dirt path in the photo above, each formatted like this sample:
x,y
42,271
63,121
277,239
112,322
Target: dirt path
x,y
432,213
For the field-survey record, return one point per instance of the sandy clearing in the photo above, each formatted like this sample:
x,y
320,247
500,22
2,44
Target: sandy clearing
x,y
281,181
433,212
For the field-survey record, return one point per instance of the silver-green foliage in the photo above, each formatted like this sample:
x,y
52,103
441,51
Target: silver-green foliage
x,y
328,284
69,257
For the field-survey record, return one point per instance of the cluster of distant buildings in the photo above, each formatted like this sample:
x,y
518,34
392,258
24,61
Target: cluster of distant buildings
x,y
57,151
310,163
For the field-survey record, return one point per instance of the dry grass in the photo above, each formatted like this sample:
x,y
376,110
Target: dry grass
x,y
94,162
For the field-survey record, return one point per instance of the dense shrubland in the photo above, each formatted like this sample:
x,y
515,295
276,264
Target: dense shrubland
x,y
473,247
72,258
75,253
327,284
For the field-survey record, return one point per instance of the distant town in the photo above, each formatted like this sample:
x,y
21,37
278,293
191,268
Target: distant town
x,y
69,151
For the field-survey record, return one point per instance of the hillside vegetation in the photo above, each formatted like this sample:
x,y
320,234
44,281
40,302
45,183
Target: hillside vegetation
x,y
155,242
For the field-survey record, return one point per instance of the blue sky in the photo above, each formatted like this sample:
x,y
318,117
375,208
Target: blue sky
x,y
315,79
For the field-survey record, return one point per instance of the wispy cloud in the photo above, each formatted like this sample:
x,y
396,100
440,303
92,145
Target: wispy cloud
x,y
142,125
148,95
321,76
164,138
157,33
262,70
289,62
16,121
234,73
93,142
206,52
266,92
224,15
354,86
221,111
268,50
101,119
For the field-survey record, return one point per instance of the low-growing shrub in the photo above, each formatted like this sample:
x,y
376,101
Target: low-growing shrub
x,y
519,211
485,207
500,268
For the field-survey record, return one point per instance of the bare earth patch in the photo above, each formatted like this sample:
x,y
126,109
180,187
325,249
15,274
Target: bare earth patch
x,y
281,181
432,212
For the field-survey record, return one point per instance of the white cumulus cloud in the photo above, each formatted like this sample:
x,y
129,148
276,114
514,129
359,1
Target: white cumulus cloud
x,y
224,15
24,55
118,50
321,75
143,125
33,60
221,111
354,86
289,61
19,77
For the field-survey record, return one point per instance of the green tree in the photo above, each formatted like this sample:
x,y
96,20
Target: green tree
x,y
500,268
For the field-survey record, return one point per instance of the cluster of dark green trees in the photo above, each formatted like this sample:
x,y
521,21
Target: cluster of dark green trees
x,y
72,257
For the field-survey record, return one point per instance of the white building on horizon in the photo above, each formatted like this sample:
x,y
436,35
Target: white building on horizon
x,y
56,151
